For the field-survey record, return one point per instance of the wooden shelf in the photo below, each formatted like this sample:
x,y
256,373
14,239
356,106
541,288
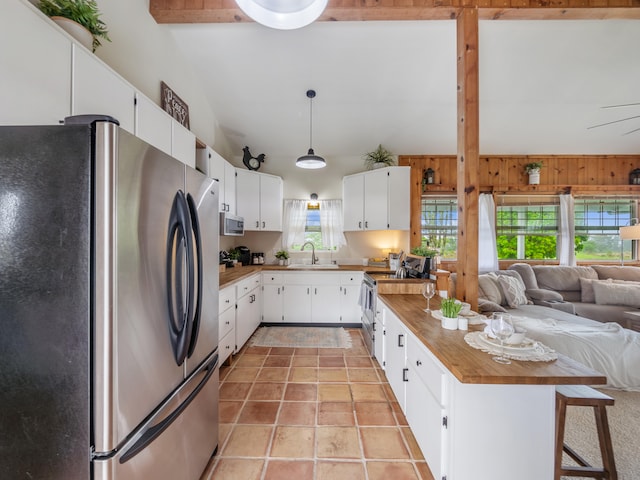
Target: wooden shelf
x,y
543,189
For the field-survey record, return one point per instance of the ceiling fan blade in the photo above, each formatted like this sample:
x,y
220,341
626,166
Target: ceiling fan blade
x,y
622,105
615,121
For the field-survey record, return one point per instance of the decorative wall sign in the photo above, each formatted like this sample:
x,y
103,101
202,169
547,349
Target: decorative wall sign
x,y
174,105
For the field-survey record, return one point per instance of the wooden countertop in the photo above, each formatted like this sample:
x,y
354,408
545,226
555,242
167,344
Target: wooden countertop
x,y
470,365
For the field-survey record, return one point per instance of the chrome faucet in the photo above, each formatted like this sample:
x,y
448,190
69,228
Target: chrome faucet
x,y
314,259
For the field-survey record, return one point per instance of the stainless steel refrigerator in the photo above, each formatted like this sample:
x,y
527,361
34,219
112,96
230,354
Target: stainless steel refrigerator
x,y
108,307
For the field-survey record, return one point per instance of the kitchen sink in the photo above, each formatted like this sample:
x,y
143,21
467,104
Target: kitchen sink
x,y
317,266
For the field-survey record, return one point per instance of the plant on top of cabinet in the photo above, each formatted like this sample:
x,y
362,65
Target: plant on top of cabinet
x,y
380,157
83,12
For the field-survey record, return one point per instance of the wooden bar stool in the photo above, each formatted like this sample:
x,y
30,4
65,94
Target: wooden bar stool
x,y
581,395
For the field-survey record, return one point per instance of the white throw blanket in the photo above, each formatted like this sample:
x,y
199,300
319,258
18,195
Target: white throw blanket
x,y
605,347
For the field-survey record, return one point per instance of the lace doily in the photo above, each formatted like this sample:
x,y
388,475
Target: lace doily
x,y
531,352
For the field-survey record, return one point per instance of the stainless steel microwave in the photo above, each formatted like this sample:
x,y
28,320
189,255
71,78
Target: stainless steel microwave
x,y
231,225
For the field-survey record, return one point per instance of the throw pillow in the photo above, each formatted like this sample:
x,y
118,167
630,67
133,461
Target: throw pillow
x,y
489,289
609,293
486,306
587,295
513,290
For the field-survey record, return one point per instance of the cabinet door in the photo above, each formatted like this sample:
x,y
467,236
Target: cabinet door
x,y
272,304
379,338
395,355
153,125
229,187
227,346
247,317
226,322
350,311
183,144
325,304
399,198
99,90
376,208
34,50
353,202
270,203
297,303
248,198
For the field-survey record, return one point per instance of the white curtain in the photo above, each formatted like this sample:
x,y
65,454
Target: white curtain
x,y
331,224
294,220
566,239
487,246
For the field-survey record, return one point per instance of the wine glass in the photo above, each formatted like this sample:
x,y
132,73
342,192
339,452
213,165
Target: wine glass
x,y
428,291
502,328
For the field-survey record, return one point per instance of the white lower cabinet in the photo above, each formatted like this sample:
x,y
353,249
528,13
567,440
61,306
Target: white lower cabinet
x,y
226,322
272,294
248,315
396,355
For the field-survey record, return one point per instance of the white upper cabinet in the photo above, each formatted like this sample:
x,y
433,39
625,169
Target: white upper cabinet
x,y
36,68
183,144
99,90
377,200
259,200
153,125
212,164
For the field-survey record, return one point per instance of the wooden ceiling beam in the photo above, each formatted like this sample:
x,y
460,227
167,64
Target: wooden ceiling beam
x,y
226,11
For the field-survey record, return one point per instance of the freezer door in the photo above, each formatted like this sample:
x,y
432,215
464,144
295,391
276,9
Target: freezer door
x,y
135,370
202,193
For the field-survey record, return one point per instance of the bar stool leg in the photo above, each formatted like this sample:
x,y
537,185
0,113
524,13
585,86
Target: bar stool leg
x,y
606,447
561,414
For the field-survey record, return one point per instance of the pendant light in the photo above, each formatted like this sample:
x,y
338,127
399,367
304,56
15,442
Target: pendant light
x,y
283,14
311,160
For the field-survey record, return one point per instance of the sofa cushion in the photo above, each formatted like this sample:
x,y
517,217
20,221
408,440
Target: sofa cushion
x,y
513,290
617,272
543,294
563,279
587,295
488,289
602,313
526,274
609,293
486,306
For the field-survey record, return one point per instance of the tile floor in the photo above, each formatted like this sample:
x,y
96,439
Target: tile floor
x,y
311,413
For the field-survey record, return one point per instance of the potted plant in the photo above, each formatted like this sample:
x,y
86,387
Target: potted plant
x,y
234,256
82,12
450,309
282,256
380,157
533,170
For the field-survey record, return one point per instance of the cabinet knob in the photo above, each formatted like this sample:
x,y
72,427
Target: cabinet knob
x,y
418,363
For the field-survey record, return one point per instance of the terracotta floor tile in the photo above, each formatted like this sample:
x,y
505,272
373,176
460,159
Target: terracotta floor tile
x,y
331,361
228,410
277,361
340,471
250,360
332,374
242,374
334,392
289,470
293,442
305,392
383,442
367,392
235,468
333,352
338,442
259,412
358,362
424,471
224,371
359,351
397,411
257,350
224,430
248,441
234,391
336,414
374,413
391,470
306,351
297,413
267,391
414,449
359,375
304,361
282,351
303,374
272,374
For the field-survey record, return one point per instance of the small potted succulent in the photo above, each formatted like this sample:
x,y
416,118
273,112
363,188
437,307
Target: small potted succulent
x,y
234,256
84,13
533,170
379,158
450,308
282,256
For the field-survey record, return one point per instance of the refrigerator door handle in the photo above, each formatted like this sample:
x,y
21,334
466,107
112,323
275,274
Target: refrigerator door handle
x,y
153,431
197,258
178,239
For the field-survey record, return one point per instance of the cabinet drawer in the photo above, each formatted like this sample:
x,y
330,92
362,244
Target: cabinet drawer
x,y
326,279
271,278
248,284
426,368
227,346
226,298
351,278
226,322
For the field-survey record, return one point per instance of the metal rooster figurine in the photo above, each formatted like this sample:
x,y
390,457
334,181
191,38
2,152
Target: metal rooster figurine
x,y
251,162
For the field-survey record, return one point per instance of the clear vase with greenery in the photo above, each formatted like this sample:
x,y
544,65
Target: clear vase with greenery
x,y
83,12
450,308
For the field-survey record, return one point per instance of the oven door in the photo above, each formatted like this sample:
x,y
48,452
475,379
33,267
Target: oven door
x,y
368,303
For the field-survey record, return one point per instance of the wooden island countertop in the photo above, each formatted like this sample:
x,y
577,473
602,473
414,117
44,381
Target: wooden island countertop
x,y
470,365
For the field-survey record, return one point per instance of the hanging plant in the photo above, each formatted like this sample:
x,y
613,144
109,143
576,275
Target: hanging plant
x,y
532,167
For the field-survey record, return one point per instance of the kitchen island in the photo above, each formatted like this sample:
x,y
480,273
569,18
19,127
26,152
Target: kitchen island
x,y
473,418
